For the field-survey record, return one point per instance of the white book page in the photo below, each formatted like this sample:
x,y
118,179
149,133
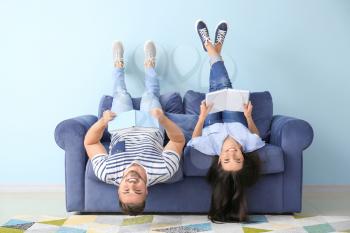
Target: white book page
x,y
236,99
218,99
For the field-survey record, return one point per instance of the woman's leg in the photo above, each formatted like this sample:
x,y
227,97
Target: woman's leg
x,y
218,78
121,98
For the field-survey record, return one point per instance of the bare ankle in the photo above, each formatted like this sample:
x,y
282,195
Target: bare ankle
x,y
119,64
218,48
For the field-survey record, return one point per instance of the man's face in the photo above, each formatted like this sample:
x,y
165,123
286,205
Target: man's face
x,y
132,189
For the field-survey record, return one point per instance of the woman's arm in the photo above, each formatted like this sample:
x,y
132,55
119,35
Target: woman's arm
x,y
204,111
248,108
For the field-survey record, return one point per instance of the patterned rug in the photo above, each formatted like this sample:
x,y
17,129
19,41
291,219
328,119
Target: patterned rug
x,y
174,223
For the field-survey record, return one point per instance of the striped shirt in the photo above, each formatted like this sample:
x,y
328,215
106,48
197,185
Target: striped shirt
x,y
143,146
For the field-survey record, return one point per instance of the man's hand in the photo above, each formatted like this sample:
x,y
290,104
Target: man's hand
x,y
157,113
107,116
247,110
205,109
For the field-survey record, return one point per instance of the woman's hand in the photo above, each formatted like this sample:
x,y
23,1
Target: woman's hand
x,y
205,109
107,116
157,113
247,110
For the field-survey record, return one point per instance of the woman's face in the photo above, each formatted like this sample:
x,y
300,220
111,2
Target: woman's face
x,y
231,157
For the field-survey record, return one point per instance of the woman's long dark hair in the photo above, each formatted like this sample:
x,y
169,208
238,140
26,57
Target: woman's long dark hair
x,y
228,202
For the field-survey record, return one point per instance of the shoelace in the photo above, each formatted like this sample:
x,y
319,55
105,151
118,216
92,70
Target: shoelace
x,y
221,36
204,34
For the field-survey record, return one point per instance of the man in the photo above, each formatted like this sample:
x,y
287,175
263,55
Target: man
x,y
143,161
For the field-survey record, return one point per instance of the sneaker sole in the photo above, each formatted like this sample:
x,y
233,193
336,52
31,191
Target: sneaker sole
x,y
195,27
222,21
155,48
114,48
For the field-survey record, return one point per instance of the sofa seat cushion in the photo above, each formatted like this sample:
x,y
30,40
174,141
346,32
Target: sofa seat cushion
x,y
262,110
198,164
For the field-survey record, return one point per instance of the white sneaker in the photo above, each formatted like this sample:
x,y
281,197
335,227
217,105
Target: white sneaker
x,y
118,52
150,52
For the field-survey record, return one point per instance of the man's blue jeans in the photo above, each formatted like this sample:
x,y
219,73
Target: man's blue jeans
x,y
122,99
219,80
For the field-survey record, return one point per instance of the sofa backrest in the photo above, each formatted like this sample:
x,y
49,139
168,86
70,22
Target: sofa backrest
x,y
262,108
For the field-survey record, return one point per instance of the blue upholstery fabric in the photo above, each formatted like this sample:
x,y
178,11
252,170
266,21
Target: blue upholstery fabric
x,y
293,136
278,190
69,135
186,122
262,110
198,164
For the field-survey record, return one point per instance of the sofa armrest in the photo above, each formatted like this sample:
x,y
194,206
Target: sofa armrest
x,y
69,135
293,136
291,133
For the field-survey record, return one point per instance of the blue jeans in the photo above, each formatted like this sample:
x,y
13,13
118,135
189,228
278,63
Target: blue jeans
x,y
219,80
122,101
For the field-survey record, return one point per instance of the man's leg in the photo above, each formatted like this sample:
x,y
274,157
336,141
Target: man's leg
x,y
150,98
121,98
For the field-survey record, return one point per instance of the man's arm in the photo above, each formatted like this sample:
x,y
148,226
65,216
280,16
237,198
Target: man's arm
x,y
248,108
92,139
176,137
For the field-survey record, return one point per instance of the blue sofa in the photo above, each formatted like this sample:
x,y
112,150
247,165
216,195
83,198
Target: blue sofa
x,y
279,190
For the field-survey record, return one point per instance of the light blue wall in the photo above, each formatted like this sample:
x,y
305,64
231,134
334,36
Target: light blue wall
x,y
55,63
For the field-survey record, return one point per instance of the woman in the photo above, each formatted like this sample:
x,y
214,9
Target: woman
x,y
230,137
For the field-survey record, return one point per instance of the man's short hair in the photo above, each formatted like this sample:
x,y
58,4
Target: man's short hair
x,y
132,209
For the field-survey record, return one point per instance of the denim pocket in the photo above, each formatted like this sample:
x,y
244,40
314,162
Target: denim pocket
x,y
118,147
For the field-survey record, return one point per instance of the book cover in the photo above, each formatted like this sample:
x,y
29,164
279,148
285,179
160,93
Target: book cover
x,y
227,99
133,118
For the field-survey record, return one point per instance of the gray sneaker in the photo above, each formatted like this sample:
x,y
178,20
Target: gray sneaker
x,y
150,53
118,52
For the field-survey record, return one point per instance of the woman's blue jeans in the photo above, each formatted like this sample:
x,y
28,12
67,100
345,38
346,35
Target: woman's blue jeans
x,y
219,80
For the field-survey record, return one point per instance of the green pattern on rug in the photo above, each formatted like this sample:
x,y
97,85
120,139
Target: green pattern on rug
x,y
58,222
253,230
137,220
10,230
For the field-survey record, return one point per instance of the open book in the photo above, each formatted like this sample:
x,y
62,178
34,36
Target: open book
x,y
133,118
227,99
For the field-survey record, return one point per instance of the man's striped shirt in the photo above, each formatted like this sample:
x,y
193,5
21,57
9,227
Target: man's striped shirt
x,y
143,146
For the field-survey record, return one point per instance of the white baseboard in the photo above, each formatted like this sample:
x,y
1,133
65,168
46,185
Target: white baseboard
x,y
31,188
326,188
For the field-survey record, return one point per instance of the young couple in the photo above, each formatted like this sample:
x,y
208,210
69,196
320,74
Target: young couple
x,y
146,162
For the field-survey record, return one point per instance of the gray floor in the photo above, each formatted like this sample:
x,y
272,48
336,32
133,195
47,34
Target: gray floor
x,y
316,201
